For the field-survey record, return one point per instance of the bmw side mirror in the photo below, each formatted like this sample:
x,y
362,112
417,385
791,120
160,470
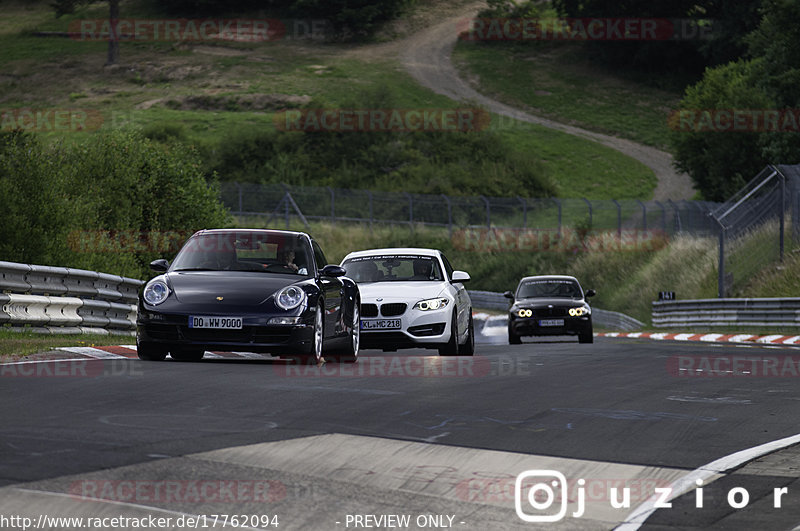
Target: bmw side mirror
x,y
460,276
332,270
508,295
590,293
159,265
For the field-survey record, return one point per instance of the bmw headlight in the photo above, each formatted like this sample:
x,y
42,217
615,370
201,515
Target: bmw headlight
x,y
156,292
580,311
290,297
431,304
524,312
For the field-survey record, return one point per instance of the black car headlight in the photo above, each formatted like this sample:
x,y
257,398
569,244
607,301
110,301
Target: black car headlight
x,y
156,292
290,297
524,312
580,311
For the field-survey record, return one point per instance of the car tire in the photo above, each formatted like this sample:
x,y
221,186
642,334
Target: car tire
x,y
350,353
513,339
150,352
187,354
586,337
314,357
451,347
468,348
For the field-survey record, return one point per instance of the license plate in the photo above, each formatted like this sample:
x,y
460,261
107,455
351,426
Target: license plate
x,y
222,323
551,322
381,324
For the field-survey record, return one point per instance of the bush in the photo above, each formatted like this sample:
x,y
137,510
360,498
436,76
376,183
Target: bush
x,y
69,203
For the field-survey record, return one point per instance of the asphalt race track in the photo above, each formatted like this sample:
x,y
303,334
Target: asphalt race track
x,y
439,440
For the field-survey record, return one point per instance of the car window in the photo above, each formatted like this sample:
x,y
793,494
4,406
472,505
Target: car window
x,y
271,252
447,267
319,256
549,288
388,268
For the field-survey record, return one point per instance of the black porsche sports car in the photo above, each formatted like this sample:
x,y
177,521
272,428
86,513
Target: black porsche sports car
x,y
550,305
263,291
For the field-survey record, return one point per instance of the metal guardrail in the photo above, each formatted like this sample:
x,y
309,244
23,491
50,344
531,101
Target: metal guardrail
x,y
61,300
777,313
490,300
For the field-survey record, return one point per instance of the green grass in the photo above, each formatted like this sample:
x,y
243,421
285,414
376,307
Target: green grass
x,y
557,81
15,345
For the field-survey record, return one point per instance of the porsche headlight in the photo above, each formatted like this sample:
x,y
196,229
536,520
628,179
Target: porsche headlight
x,y
156,292
431,304
580,311
290,297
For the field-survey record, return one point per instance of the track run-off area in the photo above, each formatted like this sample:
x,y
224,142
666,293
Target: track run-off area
x,y
411,440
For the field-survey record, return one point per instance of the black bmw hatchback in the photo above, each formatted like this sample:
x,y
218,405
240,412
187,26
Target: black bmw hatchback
x,y
550,305
262,291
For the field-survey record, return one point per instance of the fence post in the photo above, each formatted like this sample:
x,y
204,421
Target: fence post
x,y
619,218
239,187
524,212
663,216
488,212
558,203
589,204
644,215
333,205
369,194
410,210
721,268
676,224
782,206
449,215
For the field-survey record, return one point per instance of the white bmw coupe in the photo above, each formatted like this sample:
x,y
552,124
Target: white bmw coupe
x,y
412,298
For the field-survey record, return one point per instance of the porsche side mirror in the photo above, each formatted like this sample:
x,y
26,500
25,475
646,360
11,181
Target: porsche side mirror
x,y
508,295
590,293
332,270
159,265
460,276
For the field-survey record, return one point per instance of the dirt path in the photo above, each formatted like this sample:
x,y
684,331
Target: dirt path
x,y
426,55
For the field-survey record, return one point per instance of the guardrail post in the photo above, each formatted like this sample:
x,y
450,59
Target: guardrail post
x,y
721,268
782,212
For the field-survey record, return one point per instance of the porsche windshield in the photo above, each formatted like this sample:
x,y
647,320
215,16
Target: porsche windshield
x,y
550,288
245,251
387,268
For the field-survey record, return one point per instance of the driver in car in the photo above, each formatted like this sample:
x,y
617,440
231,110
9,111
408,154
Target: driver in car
x,y
422,269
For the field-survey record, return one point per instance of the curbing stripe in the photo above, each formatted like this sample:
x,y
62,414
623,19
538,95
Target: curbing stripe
x,y
741,339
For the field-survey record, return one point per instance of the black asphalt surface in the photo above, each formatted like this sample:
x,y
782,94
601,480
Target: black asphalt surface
x,y
618,400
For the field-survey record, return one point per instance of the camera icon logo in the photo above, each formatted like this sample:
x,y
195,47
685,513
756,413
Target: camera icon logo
x,y
540,495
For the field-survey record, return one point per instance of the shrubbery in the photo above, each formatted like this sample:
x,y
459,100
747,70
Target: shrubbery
x,y
62,201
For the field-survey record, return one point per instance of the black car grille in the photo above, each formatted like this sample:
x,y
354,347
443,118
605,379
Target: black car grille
x,y
393,308
550,312
369,310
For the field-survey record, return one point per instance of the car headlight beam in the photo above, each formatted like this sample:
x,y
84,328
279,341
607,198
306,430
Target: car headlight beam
x,y
156,292
290,297
431,304
525,313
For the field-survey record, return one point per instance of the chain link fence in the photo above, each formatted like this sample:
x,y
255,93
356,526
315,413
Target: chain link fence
x,y
752,226
281,203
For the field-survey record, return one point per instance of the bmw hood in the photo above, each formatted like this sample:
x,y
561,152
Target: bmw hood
x,y
237,288
539,302
401,291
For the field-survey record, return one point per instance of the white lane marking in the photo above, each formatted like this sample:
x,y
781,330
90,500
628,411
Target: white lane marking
x,y
634,334
710,337
93,353
740,337
660,335
688,482
683,337
41,361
